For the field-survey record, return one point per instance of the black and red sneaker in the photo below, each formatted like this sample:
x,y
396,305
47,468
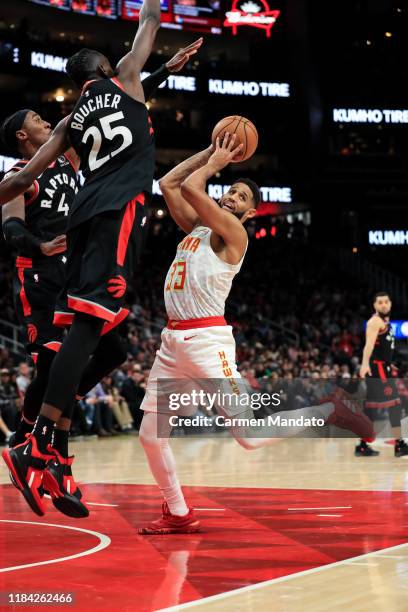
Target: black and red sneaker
x,y
364,450
26,465
401,448
169,523
346,416
59,484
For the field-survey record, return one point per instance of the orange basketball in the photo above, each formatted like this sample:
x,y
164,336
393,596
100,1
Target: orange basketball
x,y
245,131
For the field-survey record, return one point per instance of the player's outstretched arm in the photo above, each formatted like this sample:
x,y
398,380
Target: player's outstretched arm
x,y
19,182
175,64
223,223
373,327
182,212
129,67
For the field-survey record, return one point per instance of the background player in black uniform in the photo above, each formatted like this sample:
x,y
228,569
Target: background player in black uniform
x,y
382,393
34,224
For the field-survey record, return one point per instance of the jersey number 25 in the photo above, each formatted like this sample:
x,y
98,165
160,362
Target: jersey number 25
x,y
109,133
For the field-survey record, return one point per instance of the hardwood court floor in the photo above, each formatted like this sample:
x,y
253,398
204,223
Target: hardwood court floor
x,y
301,525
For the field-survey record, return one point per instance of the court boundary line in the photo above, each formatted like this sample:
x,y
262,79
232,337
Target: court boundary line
x,y
104,542
266,583
219,486
89,503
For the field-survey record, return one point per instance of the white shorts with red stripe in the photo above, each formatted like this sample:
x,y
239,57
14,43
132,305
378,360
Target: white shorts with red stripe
x,y
195,354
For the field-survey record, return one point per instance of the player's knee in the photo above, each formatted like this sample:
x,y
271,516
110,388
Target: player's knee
x,y
44,362
33,397
115,358
148,438
86,327
112,349
36,389
145,440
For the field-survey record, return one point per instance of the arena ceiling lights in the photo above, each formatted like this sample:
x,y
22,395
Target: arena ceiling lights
x,y
200,15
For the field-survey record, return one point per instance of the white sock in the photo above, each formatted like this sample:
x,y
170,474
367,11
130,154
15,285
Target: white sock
x,y
162,464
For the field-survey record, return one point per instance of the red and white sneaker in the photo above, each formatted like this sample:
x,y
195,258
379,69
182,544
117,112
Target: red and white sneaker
x,y
168,523
344,417
26,465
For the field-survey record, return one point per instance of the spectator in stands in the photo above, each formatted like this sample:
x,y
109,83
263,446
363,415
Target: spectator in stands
x,y
402,386
23,378
133,390
119,406
5,358
9,404
99,411
313,327
79,424
4,430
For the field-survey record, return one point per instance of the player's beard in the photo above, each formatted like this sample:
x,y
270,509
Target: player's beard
x,y
237,215
384,315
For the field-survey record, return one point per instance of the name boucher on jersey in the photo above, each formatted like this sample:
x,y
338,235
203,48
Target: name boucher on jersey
x,y
113,136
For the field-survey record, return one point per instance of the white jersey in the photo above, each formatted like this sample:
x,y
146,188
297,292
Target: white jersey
x,y
198,281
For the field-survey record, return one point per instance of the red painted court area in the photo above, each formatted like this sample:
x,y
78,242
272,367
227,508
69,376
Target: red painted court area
x,y
249,535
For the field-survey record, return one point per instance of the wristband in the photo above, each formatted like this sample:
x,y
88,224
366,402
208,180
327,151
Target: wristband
x,y
17,235
154,80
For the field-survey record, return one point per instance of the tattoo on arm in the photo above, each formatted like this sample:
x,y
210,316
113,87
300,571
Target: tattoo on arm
x,y
187,167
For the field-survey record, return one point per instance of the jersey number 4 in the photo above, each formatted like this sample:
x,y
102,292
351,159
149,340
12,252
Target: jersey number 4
x,y
110,133
63,206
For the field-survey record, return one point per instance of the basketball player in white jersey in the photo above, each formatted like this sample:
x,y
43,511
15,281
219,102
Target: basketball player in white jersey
x,y
197,343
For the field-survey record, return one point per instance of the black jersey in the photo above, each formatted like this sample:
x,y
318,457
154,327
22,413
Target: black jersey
x,y
112,134
47,209
384,345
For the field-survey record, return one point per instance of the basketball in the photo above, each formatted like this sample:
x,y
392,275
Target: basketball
x,y
246,134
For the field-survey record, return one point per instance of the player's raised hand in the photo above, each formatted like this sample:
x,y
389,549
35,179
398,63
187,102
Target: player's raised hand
x,y
225,151
181,58
55,246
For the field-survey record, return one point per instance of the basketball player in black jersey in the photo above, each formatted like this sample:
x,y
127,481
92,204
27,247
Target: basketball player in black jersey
x,y
382,393
34,225
109,352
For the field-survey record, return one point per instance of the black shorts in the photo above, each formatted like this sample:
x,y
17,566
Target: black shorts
x,y
382,389
36,286
102,254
